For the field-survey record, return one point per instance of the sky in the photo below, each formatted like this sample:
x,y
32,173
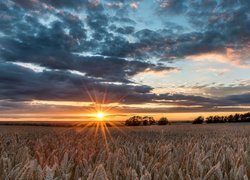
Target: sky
x,y
66,60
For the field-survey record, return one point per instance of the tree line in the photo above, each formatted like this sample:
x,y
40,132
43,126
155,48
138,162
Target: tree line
x,y
223,119
145,121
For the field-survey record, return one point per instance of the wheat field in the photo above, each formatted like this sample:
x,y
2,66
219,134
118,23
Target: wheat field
x,y
182,152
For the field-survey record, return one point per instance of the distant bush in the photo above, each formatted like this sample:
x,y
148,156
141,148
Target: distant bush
x,y
215,119
145,122
199,120
138,120
148,120
163,121
133,121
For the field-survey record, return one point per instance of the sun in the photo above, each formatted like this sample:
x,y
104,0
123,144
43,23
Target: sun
x,y
100,115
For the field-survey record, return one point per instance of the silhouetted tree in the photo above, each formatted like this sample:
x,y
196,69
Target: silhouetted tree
x,y
163,121
245,117
209,119
133,121
223,119
236,118
230,119
145,122
149,119
199,120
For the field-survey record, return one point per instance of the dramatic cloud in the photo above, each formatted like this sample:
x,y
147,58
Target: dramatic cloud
x,y
56,50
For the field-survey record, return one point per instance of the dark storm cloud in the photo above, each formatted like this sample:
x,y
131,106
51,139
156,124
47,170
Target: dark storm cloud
x,y
242,99
55,48
18,83
115,69
100,46
150,43
50,53
22,84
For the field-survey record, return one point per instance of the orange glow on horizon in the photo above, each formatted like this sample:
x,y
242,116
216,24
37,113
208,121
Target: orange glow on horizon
x,y
109,117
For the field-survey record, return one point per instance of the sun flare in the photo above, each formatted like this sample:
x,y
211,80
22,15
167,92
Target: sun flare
x,y
100,115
